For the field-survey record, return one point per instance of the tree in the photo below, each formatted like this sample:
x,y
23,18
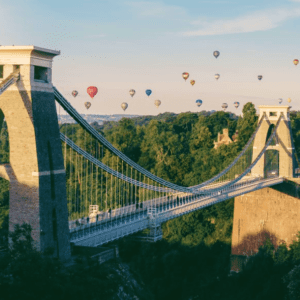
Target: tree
x,y
247,124
292,280
22,242
200,138
125,138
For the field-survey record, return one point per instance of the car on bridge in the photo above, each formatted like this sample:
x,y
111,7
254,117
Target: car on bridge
x,y
272,173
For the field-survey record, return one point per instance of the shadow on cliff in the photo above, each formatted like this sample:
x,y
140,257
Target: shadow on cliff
x,y
250,245
252,242
288,187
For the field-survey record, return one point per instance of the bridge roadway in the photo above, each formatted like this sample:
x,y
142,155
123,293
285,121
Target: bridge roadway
x,y
128,220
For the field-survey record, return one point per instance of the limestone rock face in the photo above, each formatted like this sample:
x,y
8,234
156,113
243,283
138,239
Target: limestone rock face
x,y
269,213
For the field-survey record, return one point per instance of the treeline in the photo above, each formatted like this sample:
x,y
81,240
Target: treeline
x,y
144,120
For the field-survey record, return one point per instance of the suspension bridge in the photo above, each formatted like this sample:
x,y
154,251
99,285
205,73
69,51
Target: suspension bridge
x,y
73,186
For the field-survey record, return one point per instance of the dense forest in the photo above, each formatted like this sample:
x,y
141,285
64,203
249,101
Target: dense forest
x,y
193,259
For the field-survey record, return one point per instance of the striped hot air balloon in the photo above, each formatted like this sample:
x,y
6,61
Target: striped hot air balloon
x,y
87,105
199,102
236,104
74,93
185,75
224,106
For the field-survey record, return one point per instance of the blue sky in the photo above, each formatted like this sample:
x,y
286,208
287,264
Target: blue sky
x,y
120,45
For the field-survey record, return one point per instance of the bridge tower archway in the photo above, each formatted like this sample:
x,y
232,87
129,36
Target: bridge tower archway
x,y
271,163
282,144
36,170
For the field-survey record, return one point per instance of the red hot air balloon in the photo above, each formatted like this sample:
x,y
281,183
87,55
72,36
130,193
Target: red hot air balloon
x,y
92,91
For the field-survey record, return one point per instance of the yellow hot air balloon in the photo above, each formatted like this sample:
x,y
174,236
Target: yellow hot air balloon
x,y
296,62
132,92
289,100
217,76
157,103
124,106
192,82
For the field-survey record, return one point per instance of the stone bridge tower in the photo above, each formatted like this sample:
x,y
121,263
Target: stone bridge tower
x,y
36,170
274,212
284,140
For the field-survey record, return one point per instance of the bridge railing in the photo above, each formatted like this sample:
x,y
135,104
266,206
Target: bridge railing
x,y
159,204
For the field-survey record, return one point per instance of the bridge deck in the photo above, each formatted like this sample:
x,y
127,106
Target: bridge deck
x,y
118,226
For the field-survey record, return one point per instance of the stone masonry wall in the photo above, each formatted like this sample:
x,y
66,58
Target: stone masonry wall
x,y
267,213
34,142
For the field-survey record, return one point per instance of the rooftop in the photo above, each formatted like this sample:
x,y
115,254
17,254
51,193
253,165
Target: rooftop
x,y
34,48
274,106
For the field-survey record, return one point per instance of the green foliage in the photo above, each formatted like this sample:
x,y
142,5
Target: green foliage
x,y
27,274
247,124
192,261
4,210
21,240
292,280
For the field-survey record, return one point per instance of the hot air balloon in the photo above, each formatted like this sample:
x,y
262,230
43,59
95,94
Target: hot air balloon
x,y
92,91
185,75
296,62
259,77
148,92
157,103
217,76
132,92
87,105
192,82
199,102
224,106
216,54
74,93
289,100
280,100
124,106
236,104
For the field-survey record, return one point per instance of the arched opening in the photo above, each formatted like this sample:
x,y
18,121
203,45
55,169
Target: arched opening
x,y
271,163
4,184
270,131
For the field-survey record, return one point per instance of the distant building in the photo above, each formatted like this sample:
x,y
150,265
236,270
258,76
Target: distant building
x,y
224,139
